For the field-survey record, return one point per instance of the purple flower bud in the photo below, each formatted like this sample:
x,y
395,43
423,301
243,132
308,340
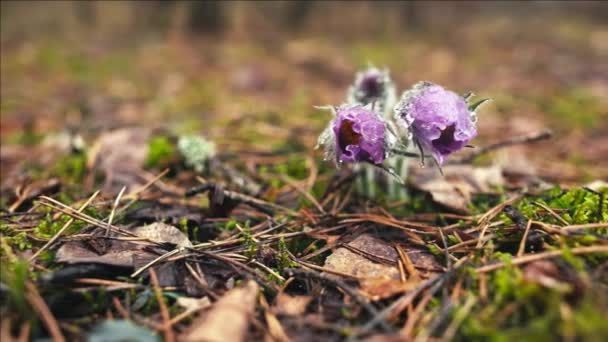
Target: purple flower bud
x,y
356,134
438,119
372,86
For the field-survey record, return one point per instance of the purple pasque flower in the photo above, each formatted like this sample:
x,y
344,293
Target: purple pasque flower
x,y
357,134
374,86
439,120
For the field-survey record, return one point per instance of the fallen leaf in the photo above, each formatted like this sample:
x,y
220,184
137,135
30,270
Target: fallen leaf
x,y
346,261
193,304
547,274
378,279
120,155
119,253
163,233
228,318
290,305
275,329
455,189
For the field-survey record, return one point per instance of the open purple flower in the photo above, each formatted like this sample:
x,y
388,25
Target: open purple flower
x,y
439,120
356,134
372,86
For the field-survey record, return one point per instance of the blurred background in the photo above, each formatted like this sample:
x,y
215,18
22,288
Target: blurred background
x,y
247,74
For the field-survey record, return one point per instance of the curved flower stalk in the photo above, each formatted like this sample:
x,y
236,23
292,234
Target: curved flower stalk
x,y
373,86
439,121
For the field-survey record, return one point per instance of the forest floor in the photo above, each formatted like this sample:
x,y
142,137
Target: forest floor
x,y
106,230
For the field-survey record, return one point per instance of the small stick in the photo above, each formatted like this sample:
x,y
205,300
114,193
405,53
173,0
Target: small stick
x,y
407,263
36,301
269,270
322,269
306,194
169,337
133,194
121,309
550,211
265,207
522,244
153,262
539,256
413,317
448,261
111,218
459,317
522,139
584,226
65,226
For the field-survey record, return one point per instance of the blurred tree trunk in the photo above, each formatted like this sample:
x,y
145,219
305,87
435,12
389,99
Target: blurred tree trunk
x,y
411,13
296,13
85,11
207,16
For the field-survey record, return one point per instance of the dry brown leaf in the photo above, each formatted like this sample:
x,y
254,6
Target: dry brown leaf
x,y
455,189
163,233
193,304
379,278
275,329
547,274
118,254
120,155
290,305
346,261
228,318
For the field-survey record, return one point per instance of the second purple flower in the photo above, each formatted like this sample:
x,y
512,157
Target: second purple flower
x,y
439,120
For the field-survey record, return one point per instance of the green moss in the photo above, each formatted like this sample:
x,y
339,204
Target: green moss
x,y
251,245
27,137
21,241
284,261
576,206
14,274
228,226
160,151
71,167
47,228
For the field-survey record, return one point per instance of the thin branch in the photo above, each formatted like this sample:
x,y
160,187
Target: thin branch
x,y
169,336
551,212
518,140
36,301
545,255
522,244
265,207
112,213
